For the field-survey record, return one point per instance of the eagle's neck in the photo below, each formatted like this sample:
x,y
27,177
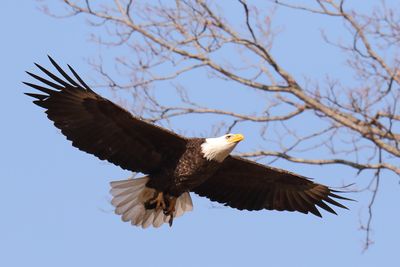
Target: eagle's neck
x,y
216,149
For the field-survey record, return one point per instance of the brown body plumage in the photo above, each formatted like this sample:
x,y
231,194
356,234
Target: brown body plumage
x,y
174,165
191,170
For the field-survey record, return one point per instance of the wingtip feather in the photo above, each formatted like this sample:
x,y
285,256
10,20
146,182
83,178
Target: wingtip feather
x,y
37,96
79,78
62,72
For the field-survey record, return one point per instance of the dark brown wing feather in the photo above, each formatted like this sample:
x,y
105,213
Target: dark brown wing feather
x,y
102,128
244,184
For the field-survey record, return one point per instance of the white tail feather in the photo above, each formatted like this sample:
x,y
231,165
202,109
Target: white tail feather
x,y
129,197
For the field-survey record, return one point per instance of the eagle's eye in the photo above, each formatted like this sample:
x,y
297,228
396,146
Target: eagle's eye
x,y
228,136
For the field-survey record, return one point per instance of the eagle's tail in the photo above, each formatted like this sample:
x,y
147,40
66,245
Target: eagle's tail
x,y
130,196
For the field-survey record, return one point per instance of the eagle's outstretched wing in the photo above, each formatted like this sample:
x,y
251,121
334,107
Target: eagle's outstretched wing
x,y
102,128
245,184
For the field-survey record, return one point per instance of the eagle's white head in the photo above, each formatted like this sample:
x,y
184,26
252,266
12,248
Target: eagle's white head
x,y
219,148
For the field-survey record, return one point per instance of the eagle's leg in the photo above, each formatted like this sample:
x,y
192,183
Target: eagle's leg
x,y
156,202
170,209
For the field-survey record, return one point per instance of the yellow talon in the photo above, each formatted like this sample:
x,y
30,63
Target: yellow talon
x,y
157,202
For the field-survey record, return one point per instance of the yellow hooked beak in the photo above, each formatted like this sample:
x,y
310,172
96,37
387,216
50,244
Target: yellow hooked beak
x,y
235,138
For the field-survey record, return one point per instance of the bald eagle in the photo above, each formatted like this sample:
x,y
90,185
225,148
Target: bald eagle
x,y
174,165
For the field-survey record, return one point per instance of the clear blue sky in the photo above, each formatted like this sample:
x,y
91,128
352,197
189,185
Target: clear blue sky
x,y
54,199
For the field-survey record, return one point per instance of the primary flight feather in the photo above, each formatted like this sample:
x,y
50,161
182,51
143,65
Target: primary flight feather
x,y
174,165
